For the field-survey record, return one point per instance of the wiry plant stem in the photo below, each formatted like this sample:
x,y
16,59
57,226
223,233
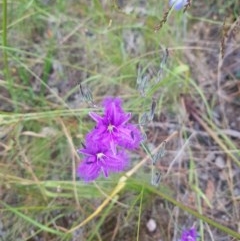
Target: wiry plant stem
x,y
4,39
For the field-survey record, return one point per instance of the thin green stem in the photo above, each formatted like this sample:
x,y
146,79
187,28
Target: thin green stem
x,y
4,39
139,214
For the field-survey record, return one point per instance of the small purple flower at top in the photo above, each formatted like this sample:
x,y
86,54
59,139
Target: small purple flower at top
x,y
178,4
189,235
99,158
113,128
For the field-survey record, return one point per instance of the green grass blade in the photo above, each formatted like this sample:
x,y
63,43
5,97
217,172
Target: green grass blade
x,y
30,220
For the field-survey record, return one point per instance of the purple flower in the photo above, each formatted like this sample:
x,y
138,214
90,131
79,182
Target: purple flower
x,y
189,235
132,139
113,128
105,144
178,4
99,158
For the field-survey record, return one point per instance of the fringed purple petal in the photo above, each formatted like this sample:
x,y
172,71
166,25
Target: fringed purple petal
x,y
120,162
88,172
130,137
96,117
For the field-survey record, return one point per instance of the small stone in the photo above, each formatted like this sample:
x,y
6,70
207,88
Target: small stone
x,y
236,192
151,225
220,163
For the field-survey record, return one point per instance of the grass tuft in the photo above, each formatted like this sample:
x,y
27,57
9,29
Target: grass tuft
x,y
177,72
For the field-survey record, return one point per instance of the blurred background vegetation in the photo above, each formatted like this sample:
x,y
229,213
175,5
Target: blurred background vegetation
x,y
143,52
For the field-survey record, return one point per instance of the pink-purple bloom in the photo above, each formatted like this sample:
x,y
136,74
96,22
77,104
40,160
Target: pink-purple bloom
x,y
189,235
178,4
105,145
100,158
113,127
